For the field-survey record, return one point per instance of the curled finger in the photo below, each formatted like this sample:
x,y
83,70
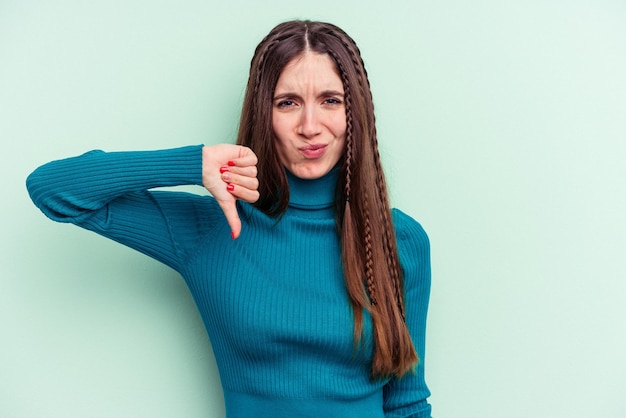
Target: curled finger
x,y
243,193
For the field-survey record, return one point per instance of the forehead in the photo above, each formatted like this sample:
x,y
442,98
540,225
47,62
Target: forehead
x,y
310,69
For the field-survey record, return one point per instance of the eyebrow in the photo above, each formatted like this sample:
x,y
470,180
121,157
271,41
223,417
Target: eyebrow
x,y
324,93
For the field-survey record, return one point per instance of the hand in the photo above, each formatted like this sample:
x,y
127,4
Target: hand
x,y
229,173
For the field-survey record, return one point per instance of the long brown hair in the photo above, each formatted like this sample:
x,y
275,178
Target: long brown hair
x,y
370,256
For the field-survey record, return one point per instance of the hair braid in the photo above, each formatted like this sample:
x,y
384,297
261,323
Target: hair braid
x,y
259,65
358,65
394,346
369,261
349,150
352,253
389,236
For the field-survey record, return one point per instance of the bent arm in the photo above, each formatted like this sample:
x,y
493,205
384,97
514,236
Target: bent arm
x,y
109,193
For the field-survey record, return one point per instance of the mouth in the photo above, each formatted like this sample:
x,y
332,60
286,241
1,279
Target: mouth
x,y
312,147
313,150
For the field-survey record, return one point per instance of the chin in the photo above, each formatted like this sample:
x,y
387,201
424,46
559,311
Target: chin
x,y
310,172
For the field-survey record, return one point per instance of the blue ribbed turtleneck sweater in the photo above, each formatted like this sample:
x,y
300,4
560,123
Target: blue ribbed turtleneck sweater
x,y
273,301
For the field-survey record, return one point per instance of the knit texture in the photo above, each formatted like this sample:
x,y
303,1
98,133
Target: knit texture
x,y
273,301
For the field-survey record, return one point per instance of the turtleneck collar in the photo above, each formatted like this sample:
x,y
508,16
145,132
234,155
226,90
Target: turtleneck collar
x,y
313,194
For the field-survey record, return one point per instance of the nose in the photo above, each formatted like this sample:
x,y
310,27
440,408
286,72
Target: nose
x,y
309,125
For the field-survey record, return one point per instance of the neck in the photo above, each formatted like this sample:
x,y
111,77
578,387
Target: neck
x,y
315,193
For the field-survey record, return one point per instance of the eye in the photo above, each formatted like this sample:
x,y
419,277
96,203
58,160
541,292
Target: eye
x,y
332,101
285,103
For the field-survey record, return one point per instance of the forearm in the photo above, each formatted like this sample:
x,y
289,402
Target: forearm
x,y
70,190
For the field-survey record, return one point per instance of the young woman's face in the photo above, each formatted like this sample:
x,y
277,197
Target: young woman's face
x,y
309,116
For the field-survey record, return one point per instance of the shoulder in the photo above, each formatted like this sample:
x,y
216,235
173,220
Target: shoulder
x,y
409,231
413,249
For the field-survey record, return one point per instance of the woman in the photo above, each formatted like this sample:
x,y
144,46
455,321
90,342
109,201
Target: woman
x,y
313,291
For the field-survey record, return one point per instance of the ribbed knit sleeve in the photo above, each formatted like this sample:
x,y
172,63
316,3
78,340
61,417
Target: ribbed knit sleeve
x,y
109,194
407,397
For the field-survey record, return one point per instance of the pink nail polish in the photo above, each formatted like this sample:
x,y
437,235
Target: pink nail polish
x,y
232,235
230,187
223,169
231,163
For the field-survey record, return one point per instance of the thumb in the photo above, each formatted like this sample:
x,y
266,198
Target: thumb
x,y
229,207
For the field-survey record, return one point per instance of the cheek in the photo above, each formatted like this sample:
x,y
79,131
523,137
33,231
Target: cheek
x,y
340,130
280,136
340,125
280,126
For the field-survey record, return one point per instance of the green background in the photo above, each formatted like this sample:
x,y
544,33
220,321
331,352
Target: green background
x,y
502,128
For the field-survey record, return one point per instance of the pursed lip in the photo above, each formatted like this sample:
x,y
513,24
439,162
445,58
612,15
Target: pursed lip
x,y
312,147
313,151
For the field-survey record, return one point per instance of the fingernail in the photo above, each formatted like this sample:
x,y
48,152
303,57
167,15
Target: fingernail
x,y
230,187
232,235
231,163
223,169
